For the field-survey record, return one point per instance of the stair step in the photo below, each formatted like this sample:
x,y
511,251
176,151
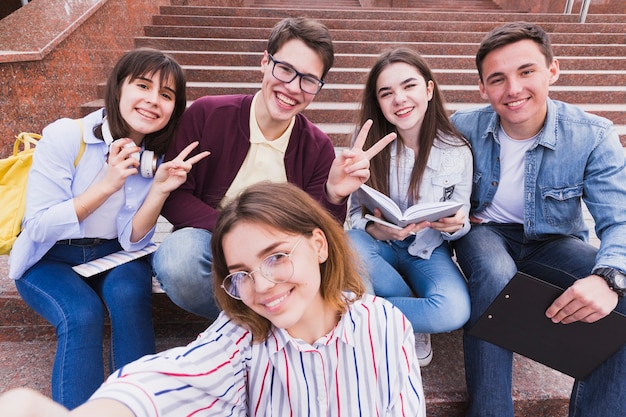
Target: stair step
x,y
168,319
355,47
424,24
326,4
367,35
454,5
386,13
366,60
594,79
368,13
206,8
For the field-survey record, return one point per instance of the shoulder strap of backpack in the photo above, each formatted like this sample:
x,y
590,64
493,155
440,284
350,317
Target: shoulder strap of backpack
x,y
83,145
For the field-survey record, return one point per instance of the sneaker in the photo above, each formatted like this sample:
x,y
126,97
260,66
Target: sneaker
x,y
423,348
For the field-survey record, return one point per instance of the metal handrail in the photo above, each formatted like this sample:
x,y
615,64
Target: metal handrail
x,y
584,8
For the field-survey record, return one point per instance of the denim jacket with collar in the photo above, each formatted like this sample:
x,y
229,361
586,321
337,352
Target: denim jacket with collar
x,y
577,157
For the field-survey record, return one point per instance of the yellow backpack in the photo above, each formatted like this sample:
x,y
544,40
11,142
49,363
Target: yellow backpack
x,y
13,178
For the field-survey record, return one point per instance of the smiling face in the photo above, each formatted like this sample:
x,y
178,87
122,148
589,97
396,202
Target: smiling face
x,y
403,95
279,101
296,305
146,105
516,80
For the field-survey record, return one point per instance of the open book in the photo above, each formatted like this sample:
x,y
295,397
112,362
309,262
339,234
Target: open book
x,y
372,199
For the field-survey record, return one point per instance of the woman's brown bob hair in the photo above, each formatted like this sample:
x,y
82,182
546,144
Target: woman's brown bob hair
x,y
285,207
132,65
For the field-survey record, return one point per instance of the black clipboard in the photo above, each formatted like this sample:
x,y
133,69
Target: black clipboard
x,y
516,321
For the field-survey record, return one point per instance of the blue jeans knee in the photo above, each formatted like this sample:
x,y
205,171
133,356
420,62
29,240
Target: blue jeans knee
x,y
182,266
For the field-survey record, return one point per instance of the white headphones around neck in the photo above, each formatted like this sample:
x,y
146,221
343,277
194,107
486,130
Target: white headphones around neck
x,y
148,161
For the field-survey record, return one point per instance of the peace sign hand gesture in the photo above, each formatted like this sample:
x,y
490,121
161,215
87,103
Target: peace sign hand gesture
x,y
170,175
352,168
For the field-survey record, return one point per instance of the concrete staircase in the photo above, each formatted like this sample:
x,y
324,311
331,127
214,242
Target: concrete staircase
x,y
221,48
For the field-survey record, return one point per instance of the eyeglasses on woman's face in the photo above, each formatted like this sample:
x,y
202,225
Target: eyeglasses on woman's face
x,y
277,268
285,73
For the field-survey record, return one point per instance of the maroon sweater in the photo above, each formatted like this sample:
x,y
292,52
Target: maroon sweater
x,y
222,125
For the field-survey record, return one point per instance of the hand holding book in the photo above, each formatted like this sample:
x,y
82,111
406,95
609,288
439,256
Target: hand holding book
x,y
393,216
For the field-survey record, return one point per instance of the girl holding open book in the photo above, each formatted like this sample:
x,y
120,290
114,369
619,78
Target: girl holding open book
x,y
429,162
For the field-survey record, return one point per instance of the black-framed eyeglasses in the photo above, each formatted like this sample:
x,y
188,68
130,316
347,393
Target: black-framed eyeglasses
x,y
277,268
285,73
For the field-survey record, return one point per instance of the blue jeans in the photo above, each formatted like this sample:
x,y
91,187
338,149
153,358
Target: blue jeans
x,y
489,255
182,266
75,306
431,293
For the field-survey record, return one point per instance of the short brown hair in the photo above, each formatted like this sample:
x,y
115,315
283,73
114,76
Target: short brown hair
x,y
511,33
285,207
313,33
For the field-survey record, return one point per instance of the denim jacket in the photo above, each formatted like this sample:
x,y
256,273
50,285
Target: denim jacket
x,y
577,157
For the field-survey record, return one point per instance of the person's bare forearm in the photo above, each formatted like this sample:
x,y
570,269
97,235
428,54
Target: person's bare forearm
x,y
25,402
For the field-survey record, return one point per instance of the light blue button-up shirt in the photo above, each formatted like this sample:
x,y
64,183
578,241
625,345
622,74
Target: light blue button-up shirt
x,y
53,182
577,157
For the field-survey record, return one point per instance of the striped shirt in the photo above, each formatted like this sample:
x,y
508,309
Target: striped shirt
x,y
366,366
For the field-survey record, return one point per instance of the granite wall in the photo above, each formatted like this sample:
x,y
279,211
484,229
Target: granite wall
x,y
53,53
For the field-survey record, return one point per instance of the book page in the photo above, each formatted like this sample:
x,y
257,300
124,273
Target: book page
x,y
418,213
372,199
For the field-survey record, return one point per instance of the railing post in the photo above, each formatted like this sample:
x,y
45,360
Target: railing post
x,y
584,8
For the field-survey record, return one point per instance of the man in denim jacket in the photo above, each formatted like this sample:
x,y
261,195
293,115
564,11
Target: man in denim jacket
x,y
536,160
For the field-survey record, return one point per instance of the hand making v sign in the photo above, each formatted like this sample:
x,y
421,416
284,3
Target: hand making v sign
x,y
351,169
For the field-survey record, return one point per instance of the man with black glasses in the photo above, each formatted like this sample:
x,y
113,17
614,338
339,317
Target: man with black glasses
x,y
253,138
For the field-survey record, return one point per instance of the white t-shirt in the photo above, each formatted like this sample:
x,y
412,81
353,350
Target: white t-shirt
x,y
508,202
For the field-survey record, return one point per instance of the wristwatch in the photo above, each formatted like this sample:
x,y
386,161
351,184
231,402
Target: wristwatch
x,y
615,279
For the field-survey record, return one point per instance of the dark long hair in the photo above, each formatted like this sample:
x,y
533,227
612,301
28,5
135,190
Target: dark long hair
x,y
134,64
436,124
